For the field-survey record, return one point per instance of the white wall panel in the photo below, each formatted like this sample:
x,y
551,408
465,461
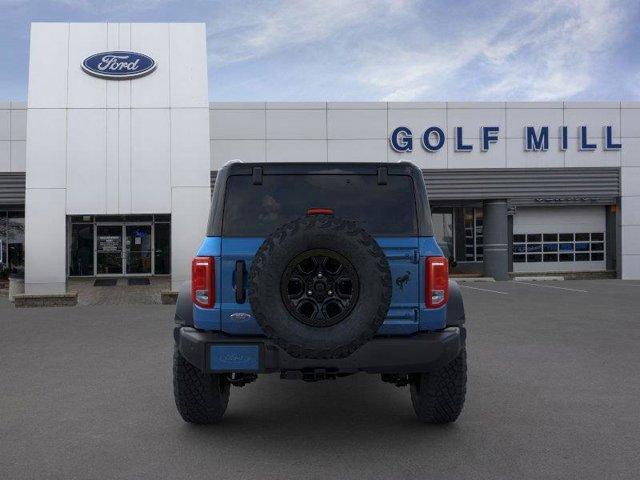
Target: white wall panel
x,y
495,157
111,162
190,213
237,124
296,124
630,120
48,62
189,145
296,105
18,124
5,124
630,181
5,156
630,211
152,91
630,268
420,105
518,118
357,150
630,153
357,124
296,150
472,119
113,43
420,157
592,118
45,241
124,161
124,86
18,156
86,91
246,150
517,157
418,120
86,161
357,105
150,161
188,54
631,239
598,158
47,148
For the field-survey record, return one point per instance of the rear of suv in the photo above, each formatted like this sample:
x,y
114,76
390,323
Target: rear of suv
x,y
318,271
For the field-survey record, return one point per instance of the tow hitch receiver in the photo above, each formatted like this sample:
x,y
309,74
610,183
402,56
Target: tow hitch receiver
x,y
314,375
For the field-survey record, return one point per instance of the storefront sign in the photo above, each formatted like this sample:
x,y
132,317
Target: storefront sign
x,y
535,139
118,65
109,243
567,200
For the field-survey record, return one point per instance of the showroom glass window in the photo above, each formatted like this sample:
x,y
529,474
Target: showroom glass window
x,y
558,247
120,244
458,231
12,241
81,249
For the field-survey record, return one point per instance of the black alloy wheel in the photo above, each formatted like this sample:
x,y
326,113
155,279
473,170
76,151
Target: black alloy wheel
x,y
319,287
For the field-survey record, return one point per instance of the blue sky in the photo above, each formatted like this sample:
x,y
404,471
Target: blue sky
x,y
363,50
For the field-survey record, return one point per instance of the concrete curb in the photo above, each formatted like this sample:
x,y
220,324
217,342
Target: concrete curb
x,y
474,279
168,297
23,300
538,278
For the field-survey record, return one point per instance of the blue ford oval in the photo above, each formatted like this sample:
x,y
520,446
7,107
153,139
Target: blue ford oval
x,y
118,65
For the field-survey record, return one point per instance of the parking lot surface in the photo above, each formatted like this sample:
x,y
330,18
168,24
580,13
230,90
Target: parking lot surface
x,y
554,392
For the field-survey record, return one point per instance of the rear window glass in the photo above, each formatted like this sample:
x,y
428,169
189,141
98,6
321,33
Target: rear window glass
x,y
257,210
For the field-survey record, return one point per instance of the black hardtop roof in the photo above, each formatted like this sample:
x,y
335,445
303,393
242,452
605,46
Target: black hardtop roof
x,y
319,168
370,168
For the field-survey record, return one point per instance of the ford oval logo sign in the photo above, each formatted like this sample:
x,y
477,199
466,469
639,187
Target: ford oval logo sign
x,y
118,65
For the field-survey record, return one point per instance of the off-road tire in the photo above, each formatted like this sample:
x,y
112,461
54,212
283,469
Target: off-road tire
x,y
320,232
438,397
200,398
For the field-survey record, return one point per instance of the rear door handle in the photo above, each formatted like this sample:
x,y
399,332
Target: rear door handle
x,y
241,294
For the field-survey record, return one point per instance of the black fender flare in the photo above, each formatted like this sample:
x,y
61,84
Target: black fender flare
x,y
455,306
184,306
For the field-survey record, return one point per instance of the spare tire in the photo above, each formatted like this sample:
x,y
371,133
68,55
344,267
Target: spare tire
x,y
320,287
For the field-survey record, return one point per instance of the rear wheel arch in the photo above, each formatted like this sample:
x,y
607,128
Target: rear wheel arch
x,y
184,306
455,306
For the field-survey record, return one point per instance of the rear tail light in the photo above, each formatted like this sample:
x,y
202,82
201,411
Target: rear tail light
x,y
320,211
436,282
203,285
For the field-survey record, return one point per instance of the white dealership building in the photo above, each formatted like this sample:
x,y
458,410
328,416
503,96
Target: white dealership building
x,y
106,169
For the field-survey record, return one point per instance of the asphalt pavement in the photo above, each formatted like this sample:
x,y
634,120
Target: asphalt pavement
x,y
554,392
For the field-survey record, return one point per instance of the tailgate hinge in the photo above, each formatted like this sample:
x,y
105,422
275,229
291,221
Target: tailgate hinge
x,y
416,256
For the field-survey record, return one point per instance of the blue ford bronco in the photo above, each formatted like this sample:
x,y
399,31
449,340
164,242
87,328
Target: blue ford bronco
x,y
318,271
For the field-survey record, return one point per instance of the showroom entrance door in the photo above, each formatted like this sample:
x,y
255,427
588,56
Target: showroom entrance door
x,y
124,249
139,249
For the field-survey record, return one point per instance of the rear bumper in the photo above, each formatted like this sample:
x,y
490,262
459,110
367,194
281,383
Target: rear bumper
x,y
421,352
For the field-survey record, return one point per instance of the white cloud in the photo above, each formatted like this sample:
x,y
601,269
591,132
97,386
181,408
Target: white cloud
x,y
546,51
257,30
406,50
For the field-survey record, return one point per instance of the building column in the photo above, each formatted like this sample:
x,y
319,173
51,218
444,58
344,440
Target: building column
x,y
629,267
495,240
45,241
